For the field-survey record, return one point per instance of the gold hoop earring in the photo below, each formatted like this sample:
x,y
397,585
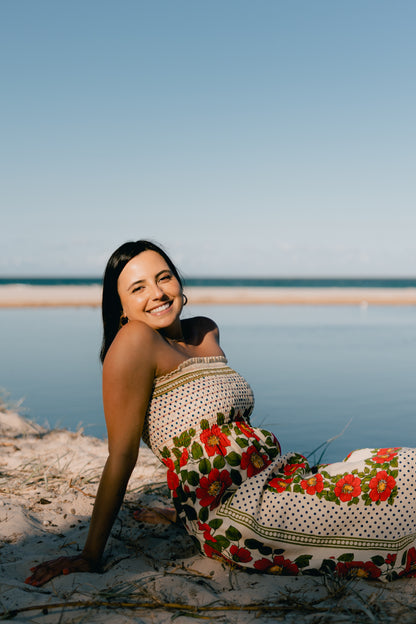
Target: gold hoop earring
x,y
184,299
123,320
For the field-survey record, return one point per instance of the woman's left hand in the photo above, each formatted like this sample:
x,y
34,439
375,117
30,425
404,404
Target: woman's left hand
x,y
47,570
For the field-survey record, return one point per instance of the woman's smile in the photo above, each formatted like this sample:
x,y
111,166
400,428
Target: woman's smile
x,y
151,293
160,309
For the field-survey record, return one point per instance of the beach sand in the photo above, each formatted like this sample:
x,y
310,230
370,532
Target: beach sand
x,y
19,295
152,574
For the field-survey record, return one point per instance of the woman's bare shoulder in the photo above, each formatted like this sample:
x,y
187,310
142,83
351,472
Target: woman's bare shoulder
x,y
134,344
200,328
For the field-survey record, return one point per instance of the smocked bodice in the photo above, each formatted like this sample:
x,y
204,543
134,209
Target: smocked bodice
x,y
197,389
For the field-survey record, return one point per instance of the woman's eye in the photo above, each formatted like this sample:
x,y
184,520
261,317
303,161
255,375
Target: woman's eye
x,y
137,289
165,277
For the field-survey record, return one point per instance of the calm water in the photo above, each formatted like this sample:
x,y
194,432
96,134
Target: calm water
x,y
312,369
253,282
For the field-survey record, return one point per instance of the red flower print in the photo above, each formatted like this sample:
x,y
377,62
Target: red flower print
x,y
212,488
253,461
246,429
210,552
280,483
313,484
279,565
215,441
391,559
183,460
347,488
240,554
385,455
410,569
289,469
207,531
381,486
169,463
358,569
172,477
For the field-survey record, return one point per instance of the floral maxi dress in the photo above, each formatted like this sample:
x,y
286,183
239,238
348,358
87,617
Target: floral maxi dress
x,y
248,504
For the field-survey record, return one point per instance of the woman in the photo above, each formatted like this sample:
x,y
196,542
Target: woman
x,y
167,380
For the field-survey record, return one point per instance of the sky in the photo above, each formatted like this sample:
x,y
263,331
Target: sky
x,y
248,138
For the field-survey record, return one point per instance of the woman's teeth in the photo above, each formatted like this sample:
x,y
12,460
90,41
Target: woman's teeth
x,y
161,308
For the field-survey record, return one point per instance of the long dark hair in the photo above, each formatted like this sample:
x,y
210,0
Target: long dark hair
x,y
111,304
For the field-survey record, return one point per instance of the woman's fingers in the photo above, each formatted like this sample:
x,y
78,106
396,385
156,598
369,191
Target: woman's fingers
x,y
47,570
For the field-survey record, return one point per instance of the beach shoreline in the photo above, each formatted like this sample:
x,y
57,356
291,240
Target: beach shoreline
x,y
23,296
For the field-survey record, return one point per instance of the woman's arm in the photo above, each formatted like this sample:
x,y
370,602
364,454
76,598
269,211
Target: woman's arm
x,y
128,374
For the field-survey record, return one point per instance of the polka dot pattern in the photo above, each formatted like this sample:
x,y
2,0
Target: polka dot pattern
x,y
355,516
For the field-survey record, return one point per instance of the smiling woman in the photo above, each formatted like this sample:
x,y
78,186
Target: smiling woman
x,y
167,381
156,298
119,273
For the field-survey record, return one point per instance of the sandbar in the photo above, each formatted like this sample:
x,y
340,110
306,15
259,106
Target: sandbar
x,y
21,296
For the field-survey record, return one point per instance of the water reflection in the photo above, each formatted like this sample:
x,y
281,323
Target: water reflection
x,y
311,368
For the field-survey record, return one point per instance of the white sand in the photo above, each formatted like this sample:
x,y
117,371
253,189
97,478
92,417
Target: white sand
x,y
19,295
47,484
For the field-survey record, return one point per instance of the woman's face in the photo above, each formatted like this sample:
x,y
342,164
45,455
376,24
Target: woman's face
x,y
149,291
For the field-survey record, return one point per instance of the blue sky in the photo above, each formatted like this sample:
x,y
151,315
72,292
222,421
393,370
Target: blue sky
x,y
268,137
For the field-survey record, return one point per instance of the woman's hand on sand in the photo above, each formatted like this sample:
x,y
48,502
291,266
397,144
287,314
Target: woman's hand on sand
x,y
47,570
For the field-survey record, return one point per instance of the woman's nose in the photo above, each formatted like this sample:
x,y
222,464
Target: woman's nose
x,y
156,291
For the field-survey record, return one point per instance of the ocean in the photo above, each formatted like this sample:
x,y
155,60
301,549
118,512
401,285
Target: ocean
x,y
315,370
241,282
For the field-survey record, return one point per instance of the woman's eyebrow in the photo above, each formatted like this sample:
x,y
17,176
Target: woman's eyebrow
x,y
140,281
135,283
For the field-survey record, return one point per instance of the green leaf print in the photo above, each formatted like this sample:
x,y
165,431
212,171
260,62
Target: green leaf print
x,y
233,458
165,452
196,450
236,476
272,452
328,565
215,524
242,442
303,561
331,497
266,550
378,560
222,541
190,512
193,477
177,453
233,534
204,424
220,418
219,462
185,439
253,544
213,545
203,514
204,466
346,557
